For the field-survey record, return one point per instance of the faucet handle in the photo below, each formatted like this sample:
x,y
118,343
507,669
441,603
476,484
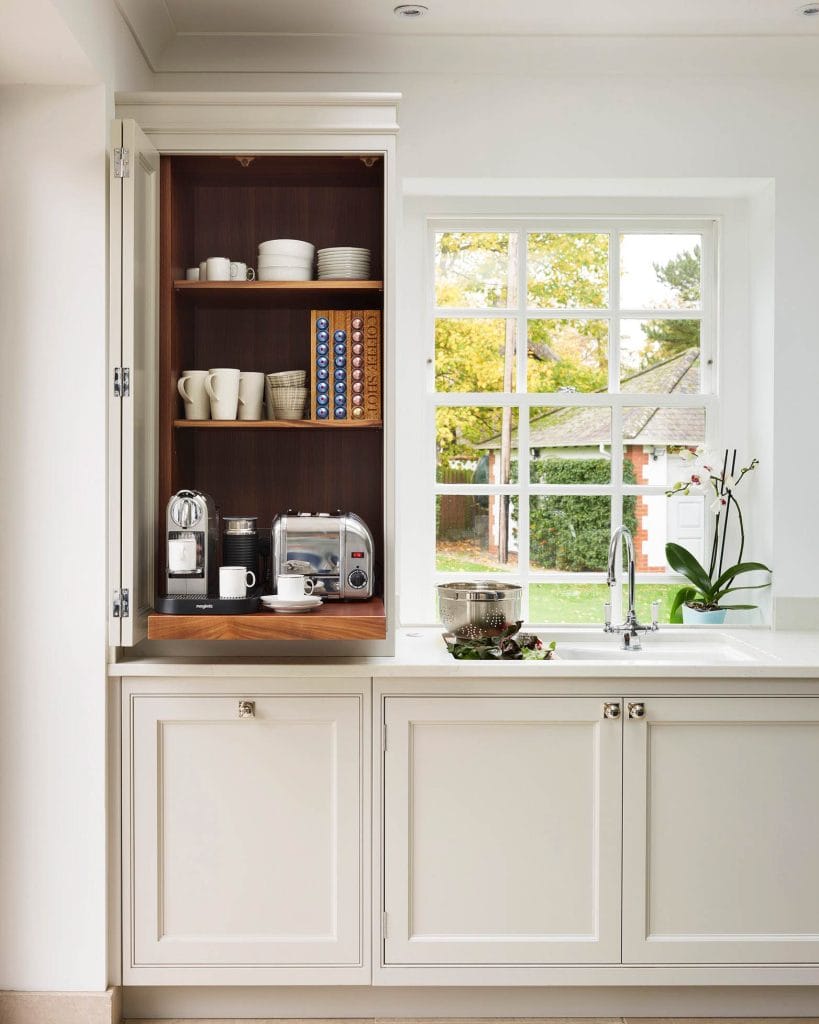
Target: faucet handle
x,y
607,615
655,614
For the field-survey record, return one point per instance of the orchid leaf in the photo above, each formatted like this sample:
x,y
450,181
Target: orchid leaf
x,y
683,595
737,607
682,561
731,590
736,570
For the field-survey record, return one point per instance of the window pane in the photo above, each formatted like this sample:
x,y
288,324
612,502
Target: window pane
x,y
564,445
475,269
567,603
660,356
660,271
474,355
645,593
470,447
568,354
567,270
569,533
655,519
475,533
653,439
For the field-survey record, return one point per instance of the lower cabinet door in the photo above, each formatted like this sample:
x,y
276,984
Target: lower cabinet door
x,y
244,844
502,831
721,831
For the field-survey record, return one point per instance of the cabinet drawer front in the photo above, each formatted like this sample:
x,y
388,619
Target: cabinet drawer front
x,y
502,831
246,832
721,829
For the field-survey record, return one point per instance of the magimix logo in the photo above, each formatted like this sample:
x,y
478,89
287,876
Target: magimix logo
x,y
204,607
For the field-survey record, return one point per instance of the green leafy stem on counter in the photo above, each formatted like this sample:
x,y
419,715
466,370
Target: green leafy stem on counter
x,y
511,645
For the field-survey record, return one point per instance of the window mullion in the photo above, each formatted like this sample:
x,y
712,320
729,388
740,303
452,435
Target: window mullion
x,y
522,335
616,412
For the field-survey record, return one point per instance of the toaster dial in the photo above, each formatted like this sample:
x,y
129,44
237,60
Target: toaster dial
x,y
357,579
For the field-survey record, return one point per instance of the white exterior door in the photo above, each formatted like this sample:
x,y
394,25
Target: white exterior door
x,y
133,345
244,844
502,831
721,831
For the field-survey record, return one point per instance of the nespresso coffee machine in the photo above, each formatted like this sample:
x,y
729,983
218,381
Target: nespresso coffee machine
x,y
192,530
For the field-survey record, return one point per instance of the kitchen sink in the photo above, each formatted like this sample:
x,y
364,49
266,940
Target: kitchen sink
x,y
660,650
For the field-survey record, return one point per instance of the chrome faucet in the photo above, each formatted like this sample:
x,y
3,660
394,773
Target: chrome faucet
x,y
631,628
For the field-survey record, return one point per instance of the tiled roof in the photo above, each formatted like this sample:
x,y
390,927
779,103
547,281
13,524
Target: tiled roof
x,y
583,426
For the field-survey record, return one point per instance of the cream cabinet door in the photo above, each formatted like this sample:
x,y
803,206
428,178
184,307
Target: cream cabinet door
x,y
721,831
502,831
244,846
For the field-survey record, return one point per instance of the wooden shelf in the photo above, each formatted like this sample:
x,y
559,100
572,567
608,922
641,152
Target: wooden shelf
x,y
228,287
278,424
334,620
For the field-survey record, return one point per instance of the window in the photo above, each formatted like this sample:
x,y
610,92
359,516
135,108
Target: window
x,y
572,365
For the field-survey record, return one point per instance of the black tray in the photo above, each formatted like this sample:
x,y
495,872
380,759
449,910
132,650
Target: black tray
x,y
190,604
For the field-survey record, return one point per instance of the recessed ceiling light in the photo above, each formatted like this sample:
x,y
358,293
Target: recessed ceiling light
x,y
410,11
808,9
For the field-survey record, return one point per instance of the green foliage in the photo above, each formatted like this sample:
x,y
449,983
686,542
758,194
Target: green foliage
x,y
707,593
667,338
571,533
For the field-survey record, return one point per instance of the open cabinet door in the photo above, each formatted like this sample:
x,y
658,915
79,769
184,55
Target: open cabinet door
x,y
134,337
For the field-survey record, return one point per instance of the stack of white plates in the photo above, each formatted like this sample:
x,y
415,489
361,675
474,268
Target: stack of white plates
x,y
286,259
344,262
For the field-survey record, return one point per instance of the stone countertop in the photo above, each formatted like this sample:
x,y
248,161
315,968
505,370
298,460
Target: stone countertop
x,y
581,653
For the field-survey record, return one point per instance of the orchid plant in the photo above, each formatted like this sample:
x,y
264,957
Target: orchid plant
x,y
712,475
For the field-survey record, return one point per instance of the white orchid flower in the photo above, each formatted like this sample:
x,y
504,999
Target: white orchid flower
x,y
728,482
719,503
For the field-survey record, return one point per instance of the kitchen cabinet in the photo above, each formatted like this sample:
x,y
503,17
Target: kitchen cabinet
x,y
720,830
502,824
198,175
246,813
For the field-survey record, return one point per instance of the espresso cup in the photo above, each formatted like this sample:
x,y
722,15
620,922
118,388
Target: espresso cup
x,y
222,386
234,580
192,274
293,587
251,393
191,386
241,272
203,270
218,268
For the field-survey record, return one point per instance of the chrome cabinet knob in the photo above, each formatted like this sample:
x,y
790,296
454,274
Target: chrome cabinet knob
x,y
637,710
247,709
611,709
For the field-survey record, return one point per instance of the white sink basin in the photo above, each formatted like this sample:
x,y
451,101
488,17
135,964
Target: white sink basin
x,y
657,650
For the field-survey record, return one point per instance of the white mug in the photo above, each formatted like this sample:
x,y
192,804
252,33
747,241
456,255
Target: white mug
x,y
191,386
192,274
251,393
218,268
182,553
222,386
293,587
234,580
203,270
241,272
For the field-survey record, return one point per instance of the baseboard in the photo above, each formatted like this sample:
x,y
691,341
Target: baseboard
x,y
61,1007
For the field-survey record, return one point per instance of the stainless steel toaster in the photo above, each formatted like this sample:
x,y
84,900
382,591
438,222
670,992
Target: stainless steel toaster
x,y
334,549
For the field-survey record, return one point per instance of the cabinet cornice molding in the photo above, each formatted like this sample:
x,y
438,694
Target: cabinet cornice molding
x,y
212,114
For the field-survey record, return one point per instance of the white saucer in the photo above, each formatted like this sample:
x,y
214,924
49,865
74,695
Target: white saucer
x,y
290,606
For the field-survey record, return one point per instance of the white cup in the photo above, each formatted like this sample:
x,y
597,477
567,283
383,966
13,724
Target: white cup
x,y
222,386
192,274
218,268
203,270
241,272
182,554
251,393
293,587
191,386
234,580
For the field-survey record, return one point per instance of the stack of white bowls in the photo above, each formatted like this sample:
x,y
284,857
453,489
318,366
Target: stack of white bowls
x,y
344,263
286,259
287,394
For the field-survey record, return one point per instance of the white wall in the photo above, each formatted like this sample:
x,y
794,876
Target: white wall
x,y
52,530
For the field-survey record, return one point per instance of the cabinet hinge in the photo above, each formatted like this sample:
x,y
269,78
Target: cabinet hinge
x,y
122,382
122,604
384,922
122,164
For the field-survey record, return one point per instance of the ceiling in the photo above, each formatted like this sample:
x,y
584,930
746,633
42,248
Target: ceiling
x,y
159,25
